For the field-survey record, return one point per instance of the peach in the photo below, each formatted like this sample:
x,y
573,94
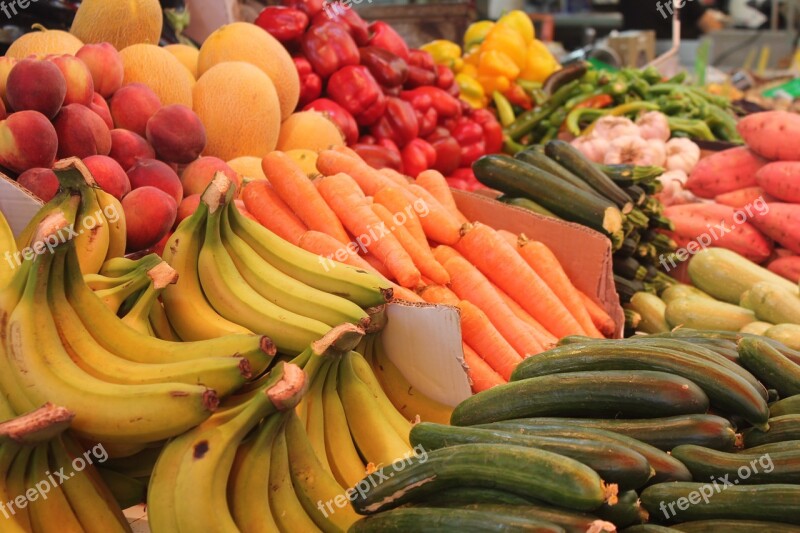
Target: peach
x,y
81,132
36,85
6,64
105,65
109,175
187,206
176,133
80,87
3,112
132,106
198,174
158,248
149,215
155,173
27,140
128,147
42,182
100,107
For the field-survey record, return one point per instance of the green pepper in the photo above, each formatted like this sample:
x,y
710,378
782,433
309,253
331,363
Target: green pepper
x,y
696,129
723,124
680,77
652,75
576,115
528,120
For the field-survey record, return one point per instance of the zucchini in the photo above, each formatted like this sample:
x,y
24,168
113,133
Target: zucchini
x,y
756,328
517,178
727,390
734,526
629,268
463,496
786,334
773,303
740,502
648,528
438,520
530,205
625,175
772,447
770,366
528,472
614,393
572,159
680,292
571,521
652,309
625,512
786,406
705,463
785,427
707,314
541,161
613,462
666,467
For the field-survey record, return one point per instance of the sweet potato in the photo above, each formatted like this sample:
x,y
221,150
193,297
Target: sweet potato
x,y
725,171
781,179
788,267
742,197
720,226
772,134
782,224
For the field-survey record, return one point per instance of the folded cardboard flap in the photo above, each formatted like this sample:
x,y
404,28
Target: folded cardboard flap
x,y
17,204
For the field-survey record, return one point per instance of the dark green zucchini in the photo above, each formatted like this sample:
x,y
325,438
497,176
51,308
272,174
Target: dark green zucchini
x,y
541,161
774,447
647,528
745,468
735,526
770,366
463,496
440,520
530,205
615,463
785,427
613,393
571,521
786,406
625,512
626,175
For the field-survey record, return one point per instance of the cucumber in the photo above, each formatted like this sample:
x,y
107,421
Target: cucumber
x,y
756,328
666,467
571,521
517,178
787,334
437,520
746,300
680,292
463,496
740,502
625,512
527,472
787,406
614,393
785,427
773,303
725,275
704,463
652,309
770,366
727,390
613,462
734,526
541,161
772,447
707,314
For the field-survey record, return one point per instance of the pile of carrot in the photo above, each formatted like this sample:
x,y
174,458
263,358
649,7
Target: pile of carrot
x,y
514,297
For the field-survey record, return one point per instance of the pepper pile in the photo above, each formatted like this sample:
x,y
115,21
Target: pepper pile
x,y
395,106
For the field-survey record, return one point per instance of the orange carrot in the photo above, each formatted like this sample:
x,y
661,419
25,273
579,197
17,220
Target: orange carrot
x,y
263,203
601,319
439,294
395,176
545,338
330,162
396,202
401,293
326,246
342,194
436,184
377,265
442,253
480,374
469,284
421,255
501,263
346,150
294,188
438,223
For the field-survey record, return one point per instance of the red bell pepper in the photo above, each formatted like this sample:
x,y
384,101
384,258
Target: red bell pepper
x,y
444,77
464,178
388,69
389,145
419,77
354,88
310,7
445,105
328,47
287,24
418,155
492,130
384,36
378,156
398,123
518,96
356,26
367,139
339,115
310,82
427,120
448,153
422,59
469,135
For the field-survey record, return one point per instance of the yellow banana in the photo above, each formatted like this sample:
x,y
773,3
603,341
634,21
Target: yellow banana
x,y
159,323
314,422
343,458
59,202
17,484
288,512
127,491
119,266
111,210
110,279
50,512
138,316
9,298
139,465
114,297
93,233
10,522
9,247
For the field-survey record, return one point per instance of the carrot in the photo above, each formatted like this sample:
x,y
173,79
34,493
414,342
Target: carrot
x,y
436,184
439,224
326,246
330,162
601,319
377,265
421,255
501,263
480,374
469,284
294,188
545,338
442,253
346,150
401,293
396,202
439,294
395,176
263,203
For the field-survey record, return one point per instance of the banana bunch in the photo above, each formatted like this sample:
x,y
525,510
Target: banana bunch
x,y
236,276
9,247
98,227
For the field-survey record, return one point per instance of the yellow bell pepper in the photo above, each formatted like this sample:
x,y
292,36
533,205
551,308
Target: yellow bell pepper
x,y
471,91
476,33
445,53
506,40
472,58
494,83
540,62
497,63
470,70
520,22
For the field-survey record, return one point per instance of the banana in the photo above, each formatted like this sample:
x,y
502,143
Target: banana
x,y
9,247
116,296
139,465
314,422
59,203
120,275
17,484
346,465
159,323
138,317
50,512
230,295
119,266
314,485
127,491
94,234
285,291
185,304
111,210
9,522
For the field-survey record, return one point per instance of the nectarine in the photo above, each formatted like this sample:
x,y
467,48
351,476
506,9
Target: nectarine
x,y
42,182
36,85
100,107
109,175
198,174
128,147
81,132
105,64
80,87
27,140
176,134
132,106
149,215
154,173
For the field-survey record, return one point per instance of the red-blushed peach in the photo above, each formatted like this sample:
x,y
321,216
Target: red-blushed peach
x,y
37,86
132,106
105,65
3,112
81,132
158,248
176,134
187,206
100,107
6,64
155,173
27,140
128,147
109,175
80,87
149,215
198,174
42,182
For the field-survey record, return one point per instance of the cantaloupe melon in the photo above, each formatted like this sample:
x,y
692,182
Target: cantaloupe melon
x,y
309,130
6,64
186,54
306,160
239,107
242,41
44,42
119,22
159,70
248,167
